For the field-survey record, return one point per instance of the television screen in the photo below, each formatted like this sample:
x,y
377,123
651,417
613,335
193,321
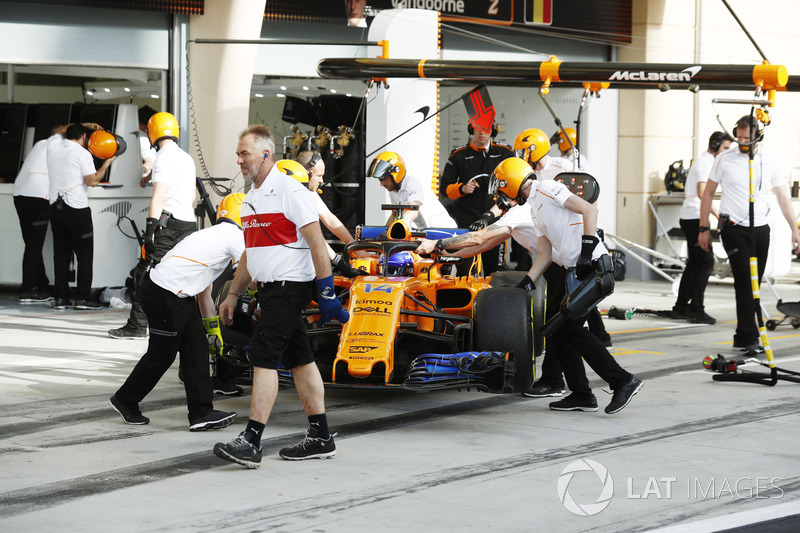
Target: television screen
x,y
44,117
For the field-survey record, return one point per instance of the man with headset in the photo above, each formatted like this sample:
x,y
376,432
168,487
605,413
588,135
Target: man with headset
x,y
285,252
699,263
731,170
465,180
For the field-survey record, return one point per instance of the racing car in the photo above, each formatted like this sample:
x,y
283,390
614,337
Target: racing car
x,y
414,325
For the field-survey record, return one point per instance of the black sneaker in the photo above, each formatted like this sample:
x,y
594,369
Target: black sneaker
x,y
34,297
543,390
575,403
701,317
63,303
679,313
213,420
310,447
239,451
128,332
130,416
88,304
623,395
226,388
754,350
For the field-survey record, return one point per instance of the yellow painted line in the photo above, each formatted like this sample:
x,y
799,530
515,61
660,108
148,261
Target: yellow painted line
x,y
771,337
618,351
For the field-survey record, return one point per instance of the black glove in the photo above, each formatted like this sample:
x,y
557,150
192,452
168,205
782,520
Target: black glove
x,y
343,267
526,283
486,219
584,268
150,236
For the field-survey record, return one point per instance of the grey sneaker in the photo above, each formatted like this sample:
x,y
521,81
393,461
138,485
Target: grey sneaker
x,y
128,332
310,447
623,395
213,420
34,297
87,305
239,451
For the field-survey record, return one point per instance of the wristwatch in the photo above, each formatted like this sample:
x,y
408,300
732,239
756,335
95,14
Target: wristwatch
x,y
439,245
701,229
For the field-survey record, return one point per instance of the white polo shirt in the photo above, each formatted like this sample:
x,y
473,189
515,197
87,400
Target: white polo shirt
x,y
67,163
520,221
562,227
176,168
432,214
272,216
146,150
195,262
33,180
553,167
698,173
731,170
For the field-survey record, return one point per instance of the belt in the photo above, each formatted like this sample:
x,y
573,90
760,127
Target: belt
x,y
280,283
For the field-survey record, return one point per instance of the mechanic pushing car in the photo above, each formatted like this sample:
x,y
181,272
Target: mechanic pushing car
x,y
284,249
390,169
560,218
174,295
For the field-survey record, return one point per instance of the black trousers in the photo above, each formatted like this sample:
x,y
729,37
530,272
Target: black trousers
x,y
572,343
737,243
34,217
699,265
176,327
164,241
73,232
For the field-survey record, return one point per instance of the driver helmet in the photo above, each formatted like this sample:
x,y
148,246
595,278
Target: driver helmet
x,y
401,264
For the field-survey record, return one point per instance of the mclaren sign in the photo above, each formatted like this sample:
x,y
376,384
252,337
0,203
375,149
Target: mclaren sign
x,y
684,75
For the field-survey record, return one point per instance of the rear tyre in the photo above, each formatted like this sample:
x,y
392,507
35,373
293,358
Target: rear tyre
x,y
503,322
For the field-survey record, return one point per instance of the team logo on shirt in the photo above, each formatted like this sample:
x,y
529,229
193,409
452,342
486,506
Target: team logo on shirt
x,y
268,229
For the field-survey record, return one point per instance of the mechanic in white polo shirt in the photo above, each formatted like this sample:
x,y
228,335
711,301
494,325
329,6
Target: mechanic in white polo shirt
x,y
731,170
71,170
285,252
173,296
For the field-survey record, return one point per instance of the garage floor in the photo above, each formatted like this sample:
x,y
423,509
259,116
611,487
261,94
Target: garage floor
x,y
688,453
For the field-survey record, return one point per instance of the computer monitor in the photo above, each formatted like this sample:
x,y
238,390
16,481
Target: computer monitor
x,y
13,118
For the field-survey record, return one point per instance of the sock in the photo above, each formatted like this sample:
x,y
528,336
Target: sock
x,y
254,431
320,423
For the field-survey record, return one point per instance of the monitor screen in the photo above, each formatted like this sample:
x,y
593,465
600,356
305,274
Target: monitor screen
x,y
12,134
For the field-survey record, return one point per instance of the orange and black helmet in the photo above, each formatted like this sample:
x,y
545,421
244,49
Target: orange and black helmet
x,y
162,126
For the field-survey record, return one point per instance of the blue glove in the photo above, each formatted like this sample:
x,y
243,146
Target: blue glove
x,y
329,305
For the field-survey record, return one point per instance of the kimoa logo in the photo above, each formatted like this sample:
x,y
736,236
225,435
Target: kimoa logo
x,y
685,75
587,509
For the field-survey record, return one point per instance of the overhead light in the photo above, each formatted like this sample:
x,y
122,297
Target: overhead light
x,y
127,89
348,95
154,96
305,88
280,95
333,91
258,95
283,87
90,93
106,89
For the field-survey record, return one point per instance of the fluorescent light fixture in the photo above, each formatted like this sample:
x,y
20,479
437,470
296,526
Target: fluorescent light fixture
x,y
333,91
154,96
90,93
258,95
106,89
283,87
305,88
280,95
127,89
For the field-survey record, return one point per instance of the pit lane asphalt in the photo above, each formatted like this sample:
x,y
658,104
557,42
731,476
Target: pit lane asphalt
x,y
687,454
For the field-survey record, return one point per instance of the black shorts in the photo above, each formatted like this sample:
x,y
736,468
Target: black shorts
x,y
280,335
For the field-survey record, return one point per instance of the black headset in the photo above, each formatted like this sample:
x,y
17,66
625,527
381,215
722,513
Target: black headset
x,y
754,124
494,132
716,140
315,157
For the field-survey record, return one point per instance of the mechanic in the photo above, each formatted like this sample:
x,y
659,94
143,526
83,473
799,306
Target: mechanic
x,y
284,250
390,169
699,262
174,295
170,215
560,218
31,193
465,180
731,170
71,170
567,151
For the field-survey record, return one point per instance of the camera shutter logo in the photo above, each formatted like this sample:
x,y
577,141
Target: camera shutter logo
x,y
587,509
